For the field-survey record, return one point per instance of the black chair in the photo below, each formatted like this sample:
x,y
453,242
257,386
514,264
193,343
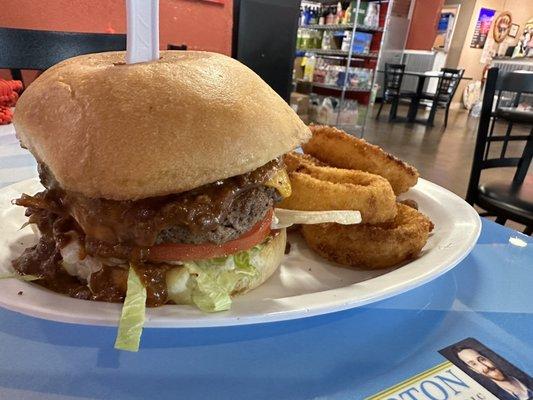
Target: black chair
x,y
171,46
39,50
505,200
392,93
442,98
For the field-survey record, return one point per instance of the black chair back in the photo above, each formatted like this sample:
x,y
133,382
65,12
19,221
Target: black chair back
x,y
39,50
171,46
393,80
510,89
448,83
509,52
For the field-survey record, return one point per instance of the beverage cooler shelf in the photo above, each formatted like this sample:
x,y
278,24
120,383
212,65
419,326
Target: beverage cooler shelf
x,y
335,87
343,53
342,27
338,43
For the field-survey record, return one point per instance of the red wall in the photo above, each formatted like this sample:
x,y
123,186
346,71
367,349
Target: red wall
x,y
202,25
424,23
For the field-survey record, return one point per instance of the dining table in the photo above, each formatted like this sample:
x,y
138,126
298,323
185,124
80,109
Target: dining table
x,y
421,82
365,352
417,96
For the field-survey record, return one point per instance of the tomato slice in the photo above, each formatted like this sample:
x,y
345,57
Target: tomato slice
x,y
190,252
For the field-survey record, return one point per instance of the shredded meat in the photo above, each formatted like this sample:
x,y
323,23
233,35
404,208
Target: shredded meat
x,y
109,284
44,260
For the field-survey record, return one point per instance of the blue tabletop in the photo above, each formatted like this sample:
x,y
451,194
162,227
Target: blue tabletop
x,y
346,355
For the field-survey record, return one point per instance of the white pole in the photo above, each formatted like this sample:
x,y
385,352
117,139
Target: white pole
x,y
143,30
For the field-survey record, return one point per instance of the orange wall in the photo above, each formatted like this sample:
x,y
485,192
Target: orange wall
x,y
202,25
424,23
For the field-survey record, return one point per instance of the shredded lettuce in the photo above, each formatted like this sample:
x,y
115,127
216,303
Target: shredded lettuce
x,y
13,275
217,278
212,291
244,265
207,283
133,313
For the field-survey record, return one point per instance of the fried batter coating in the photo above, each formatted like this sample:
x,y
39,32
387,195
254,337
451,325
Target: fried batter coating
x,y
338,149
294,160
317,188
371,246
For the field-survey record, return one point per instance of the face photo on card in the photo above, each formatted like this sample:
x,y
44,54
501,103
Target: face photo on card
x,y
503,379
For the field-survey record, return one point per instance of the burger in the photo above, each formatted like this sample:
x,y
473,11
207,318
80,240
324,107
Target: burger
x,y
164,172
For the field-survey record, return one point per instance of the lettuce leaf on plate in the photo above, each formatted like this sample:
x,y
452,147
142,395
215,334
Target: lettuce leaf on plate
x,y
133,313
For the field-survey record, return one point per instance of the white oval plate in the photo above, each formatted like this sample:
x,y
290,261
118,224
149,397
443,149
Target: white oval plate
x,y
304,285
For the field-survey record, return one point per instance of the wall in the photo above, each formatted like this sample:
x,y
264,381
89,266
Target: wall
x,y
520,10
202,25
423,30
461,28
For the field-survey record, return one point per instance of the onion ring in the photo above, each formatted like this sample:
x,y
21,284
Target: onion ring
x,y
317,188
338,149
371,247
294,161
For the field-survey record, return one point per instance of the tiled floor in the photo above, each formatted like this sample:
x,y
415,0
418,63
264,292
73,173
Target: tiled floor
x,y
443,156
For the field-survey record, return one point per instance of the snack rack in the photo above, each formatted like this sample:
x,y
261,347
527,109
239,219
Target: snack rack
x,y
349,59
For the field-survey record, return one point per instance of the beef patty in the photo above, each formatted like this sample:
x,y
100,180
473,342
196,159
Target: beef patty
x,y
214,213
246,210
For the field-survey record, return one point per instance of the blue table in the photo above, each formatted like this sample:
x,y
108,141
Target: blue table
x,y
345,355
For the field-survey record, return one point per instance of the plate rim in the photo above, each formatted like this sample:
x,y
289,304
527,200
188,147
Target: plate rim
x,y
329,302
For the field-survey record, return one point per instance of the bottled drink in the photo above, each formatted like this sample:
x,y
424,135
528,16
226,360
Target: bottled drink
x,y
318,39
372,15
309,68
311,16
307,39
327,15
326,40
347,15
333,15
330,17
307,15
322,19
346,41
316,15
312,39
338,17
306,42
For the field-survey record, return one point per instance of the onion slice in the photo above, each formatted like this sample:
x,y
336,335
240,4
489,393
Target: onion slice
x,y
284,218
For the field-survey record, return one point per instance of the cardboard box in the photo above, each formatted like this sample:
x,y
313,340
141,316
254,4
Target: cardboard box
x,y
300,103
304,87
305,118
298,68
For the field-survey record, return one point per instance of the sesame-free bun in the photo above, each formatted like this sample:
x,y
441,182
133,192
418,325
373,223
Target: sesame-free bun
x,y
112,130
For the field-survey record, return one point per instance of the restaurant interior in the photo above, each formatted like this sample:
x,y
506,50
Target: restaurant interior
x,y
408,107
365,303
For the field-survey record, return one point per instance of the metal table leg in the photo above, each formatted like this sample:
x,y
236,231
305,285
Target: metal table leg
x,y
415,101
